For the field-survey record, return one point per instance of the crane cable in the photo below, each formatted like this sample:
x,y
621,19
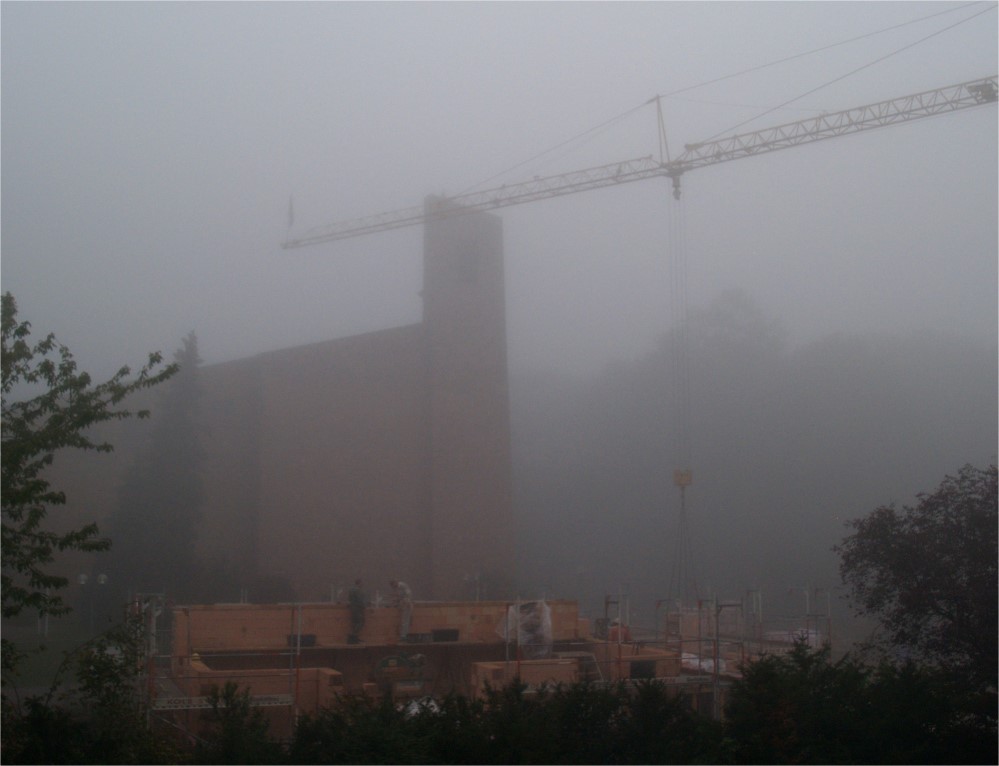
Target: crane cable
x,y
852,72
603,126
794,56
682,580
606,124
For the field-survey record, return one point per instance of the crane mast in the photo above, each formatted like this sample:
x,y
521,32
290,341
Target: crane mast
x,y
881,114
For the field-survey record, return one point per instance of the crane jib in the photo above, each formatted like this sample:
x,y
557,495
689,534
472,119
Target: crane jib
x,y
878,115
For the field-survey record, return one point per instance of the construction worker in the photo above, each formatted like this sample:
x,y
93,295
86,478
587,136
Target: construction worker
x,y
402,597
357,602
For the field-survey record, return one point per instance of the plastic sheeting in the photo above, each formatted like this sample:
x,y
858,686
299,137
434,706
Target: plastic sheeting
x,y
529,625
701,664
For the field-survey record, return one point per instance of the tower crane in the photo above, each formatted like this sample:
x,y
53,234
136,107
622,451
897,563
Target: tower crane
x,y
878,115
896,111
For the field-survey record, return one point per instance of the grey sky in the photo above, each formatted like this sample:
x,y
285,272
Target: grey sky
x,y
149,150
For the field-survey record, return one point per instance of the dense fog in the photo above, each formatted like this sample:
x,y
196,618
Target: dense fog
x,y
842,337
150,149
789,442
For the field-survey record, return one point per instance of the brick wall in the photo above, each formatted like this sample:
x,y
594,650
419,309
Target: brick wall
x,y
616,660
341,464
234,627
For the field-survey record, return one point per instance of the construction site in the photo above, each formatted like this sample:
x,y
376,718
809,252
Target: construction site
x,y
497,383
298,658
388,455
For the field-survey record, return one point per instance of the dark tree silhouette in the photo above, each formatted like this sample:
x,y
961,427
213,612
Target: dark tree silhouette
x,y
928,573
154,526
804,707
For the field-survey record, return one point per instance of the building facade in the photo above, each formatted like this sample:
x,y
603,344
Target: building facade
x,y
380,456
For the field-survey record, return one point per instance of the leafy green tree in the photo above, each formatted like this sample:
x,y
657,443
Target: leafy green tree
x,y
805,708
100,719
237,732
659,727
797,708
571,723
42,733
155,521
928,573
457,733
360,729
108,673
35,427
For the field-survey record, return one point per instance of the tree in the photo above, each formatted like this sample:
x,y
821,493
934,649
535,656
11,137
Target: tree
x,y
568,723
102,719
34,428
154,524
928,573
237,732
803,707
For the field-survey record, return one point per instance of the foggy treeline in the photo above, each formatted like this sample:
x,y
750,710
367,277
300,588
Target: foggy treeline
x,y
787,444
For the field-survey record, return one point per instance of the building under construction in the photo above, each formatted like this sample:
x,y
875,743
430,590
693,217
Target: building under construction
x,y
298,658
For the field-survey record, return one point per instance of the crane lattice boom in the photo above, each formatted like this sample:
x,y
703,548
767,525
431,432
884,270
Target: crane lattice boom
x,y
879,115
882,114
